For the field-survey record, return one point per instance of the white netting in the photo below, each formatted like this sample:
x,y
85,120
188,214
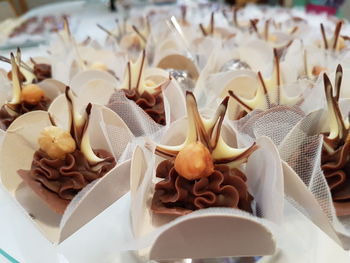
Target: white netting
x,y
137,120
300,145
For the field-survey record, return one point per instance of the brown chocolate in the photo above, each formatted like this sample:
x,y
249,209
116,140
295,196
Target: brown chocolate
x,y
175,195
58,181
152,104
6,119
42,71
336,168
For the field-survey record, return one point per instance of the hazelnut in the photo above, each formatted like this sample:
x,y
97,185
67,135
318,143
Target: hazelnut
x,y
32,94
194,161
149,83
99,66
341,43
56,142
317,70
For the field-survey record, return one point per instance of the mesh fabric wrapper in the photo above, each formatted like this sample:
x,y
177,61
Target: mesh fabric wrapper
x,y
300,145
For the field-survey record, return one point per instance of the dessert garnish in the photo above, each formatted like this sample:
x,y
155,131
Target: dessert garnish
x,y
145,93
203,171
66,162
335,161
337,42
30,74
209,30
25,98
267,35
269,93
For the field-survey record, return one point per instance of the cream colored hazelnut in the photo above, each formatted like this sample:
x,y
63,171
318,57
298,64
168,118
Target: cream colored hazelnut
x,y
99,66
149,83
56,142
32,94
131,41
341,43
317,70
194,161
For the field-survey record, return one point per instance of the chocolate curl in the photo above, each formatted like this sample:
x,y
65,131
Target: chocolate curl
x,y
323,32
338,129
85,146
77,121
337,34
137,31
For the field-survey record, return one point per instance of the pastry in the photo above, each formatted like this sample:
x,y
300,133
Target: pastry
x,y
66,162
144,92
203,171
335,161
25,98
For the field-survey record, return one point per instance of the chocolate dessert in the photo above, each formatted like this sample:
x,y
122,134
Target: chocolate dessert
x,y
146,94
268,95
335,161
204,171
65,162
25,98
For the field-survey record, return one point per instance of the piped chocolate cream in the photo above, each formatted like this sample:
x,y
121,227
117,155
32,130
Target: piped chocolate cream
x,y
25,98
269,94
41,71
335,161
203,171
145,93
65,162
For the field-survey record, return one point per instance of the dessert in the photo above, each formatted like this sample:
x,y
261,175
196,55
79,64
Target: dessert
x,y
31,74
203,171
269,94
25,98
66,162
335,161
337,42
212,30
144,92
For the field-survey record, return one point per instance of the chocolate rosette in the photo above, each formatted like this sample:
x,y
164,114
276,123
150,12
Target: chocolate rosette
x,y
25,97
335,161
66,162
202,172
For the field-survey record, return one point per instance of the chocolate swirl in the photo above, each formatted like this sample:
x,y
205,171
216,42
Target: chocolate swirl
x,y
58,181
152,104
42,71
175,195
6,119
336,168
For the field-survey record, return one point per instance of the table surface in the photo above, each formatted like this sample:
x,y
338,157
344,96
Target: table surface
x,y
298,241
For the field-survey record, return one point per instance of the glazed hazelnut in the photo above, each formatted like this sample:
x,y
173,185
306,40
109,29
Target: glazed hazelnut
x,y
56,142
317,70
32,94
194,161
99,66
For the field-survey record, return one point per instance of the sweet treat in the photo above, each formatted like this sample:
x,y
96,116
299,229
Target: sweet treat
x,y
25,98
212,30
336,43
269,94
203,171
66,162
335,161
145,93
36,73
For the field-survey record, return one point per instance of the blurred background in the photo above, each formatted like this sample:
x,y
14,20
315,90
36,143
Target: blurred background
x,y
13,8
